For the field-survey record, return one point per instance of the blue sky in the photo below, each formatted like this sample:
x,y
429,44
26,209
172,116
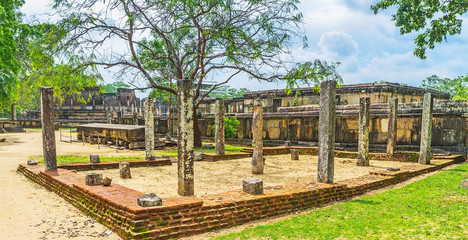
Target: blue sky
x,y
369,46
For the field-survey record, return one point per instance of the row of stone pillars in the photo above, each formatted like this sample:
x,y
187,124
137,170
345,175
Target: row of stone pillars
x,y
327,131
185,132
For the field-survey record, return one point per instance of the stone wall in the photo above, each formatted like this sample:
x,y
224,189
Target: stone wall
x,y
300,125
346,94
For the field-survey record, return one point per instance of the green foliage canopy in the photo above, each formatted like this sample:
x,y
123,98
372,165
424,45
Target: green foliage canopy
x,y
434,20
231,124
228,92
176,39
112,87
457,87
10,19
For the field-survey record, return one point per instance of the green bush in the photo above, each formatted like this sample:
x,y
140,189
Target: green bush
x,y
230,127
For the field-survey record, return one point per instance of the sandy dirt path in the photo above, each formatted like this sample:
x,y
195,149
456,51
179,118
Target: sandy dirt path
x,y
29,211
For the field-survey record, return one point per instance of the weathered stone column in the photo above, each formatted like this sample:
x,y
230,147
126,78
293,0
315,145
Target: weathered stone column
x,y
327,132
119,116
185,137
426,130
149,129
135,119
48,130
13,111
219,127
363,143
109,115
392,125
257,138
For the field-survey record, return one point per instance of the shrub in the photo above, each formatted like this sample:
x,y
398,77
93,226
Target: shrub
x,y
230,127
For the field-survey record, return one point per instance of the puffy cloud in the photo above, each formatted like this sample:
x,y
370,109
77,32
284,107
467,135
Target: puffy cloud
x,y
339,43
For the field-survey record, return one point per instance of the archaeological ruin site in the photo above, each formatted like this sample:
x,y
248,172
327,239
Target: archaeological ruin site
x,y
329,146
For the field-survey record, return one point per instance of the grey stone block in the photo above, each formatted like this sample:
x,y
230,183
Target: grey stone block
x,y
252,185
94,158
124,168
93,179
32,162
294,154
149,200
464,183
393,169
198,156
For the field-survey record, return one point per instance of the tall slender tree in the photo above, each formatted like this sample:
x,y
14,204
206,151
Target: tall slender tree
x,y
10,19
177,39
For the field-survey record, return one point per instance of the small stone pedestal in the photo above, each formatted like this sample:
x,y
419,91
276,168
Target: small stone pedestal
x,y
106,181
149,200
32,162
198,156
124,168
252,186
294,154
93,179
94,158
464,184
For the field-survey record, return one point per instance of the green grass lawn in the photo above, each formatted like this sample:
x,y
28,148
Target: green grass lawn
x,y
171,152
432,208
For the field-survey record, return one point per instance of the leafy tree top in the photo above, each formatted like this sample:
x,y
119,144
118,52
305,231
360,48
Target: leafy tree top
x,y
434,20
175,39
457,87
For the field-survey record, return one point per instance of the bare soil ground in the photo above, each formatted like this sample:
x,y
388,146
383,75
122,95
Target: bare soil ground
x,y
223,176
29,211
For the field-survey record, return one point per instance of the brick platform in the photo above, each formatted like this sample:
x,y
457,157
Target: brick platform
x,y
400,156
212,157
116,206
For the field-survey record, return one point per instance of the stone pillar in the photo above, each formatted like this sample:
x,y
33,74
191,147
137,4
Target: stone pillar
x,y
13,111
327,132
135,119
219,127
294,154
119,116
109,115
426,130
149,129
363,143
185,137
48,129
124,168
257,138
392,125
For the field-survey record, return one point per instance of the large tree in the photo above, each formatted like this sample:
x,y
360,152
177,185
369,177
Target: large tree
x,y
171,40
39,65
433,20
10,19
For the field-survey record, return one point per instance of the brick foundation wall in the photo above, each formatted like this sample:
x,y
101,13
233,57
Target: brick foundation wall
x,y
400,156
115,206
112,165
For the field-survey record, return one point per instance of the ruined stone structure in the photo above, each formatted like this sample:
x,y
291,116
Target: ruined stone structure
x,y
299,124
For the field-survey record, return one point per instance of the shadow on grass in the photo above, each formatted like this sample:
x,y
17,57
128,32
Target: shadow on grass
x,y
457,170
368,202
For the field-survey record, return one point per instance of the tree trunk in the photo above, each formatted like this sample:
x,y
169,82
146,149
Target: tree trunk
x,y
197,141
